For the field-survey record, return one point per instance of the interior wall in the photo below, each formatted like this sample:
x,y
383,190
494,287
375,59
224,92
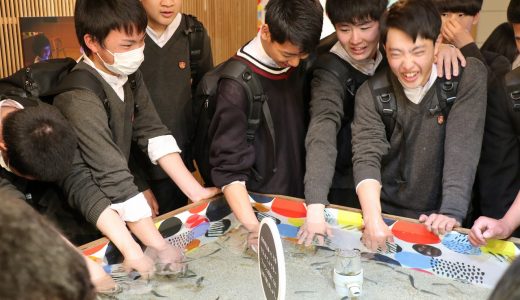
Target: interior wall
x,y
493,13
230,24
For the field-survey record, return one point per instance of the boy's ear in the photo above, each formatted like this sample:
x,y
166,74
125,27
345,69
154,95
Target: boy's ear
x,y
476,18
265,34
91,43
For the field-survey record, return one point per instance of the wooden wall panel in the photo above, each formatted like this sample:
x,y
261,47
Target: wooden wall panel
x,y
230,24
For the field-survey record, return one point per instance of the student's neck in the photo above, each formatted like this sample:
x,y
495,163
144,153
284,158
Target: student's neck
x,y
159,29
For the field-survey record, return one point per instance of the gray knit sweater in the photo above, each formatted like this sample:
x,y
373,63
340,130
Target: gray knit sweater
x,y
100,174
426,167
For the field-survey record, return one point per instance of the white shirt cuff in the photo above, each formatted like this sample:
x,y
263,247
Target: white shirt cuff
x,y
160,146
364,180
234,182
133,209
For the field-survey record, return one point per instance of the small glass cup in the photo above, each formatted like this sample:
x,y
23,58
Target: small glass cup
x,y
347,262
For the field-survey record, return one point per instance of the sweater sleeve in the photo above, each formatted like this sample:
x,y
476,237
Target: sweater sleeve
x,y
326,112
100,154
464,131
230,155
369,142
9,191
83,192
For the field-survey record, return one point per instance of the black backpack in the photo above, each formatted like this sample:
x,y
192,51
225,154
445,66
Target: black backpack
x,y
512,87
384,97
339,68
195,33
205,103
43,80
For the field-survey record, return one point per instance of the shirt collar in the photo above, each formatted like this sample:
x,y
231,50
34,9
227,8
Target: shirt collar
x,y
115,81
255,53
7,103
162,39
417,94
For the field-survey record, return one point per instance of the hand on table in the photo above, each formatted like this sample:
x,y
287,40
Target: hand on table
x,y
314,226
376,234
486,228
439,224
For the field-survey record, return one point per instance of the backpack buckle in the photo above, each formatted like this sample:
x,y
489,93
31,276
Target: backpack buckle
x,y
384,98
448,86
516,106
515,95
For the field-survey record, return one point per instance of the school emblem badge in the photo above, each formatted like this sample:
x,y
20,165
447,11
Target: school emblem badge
x,y
182,65
440,119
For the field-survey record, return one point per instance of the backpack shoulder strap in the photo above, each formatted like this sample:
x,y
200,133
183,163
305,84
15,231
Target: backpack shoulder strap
x,y
384,99
512,84
195,33
339,68
84,80
512,89
447,91
239,71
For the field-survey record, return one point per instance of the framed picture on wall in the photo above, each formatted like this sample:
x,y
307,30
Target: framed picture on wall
x,y
48,37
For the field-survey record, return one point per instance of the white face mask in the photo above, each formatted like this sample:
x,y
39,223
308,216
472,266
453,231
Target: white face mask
x,y
125,63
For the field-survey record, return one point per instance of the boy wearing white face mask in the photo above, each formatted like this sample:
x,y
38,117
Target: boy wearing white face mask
x,y
100,185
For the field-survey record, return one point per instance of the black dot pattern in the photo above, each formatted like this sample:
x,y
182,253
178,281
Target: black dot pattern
x,y
457,270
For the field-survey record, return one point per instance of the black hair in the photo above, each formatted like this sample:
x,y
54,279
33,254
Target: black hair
x,y
99,17
355,11
40,142
513,11
416,18
508,285
468,7
296,21
37,263
502,41
40,42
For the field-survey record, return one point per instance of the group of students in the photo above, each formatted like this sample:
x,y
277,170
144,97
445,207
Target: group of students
x,y
386,135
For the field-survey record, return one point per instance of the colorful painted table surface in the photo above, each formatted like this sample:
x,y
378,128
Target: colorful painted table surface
x,y
419,265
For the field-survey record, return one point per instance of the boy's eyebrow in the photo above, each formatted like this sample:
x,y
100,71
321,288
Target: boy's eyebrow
x,y
419,47
364,22
395,49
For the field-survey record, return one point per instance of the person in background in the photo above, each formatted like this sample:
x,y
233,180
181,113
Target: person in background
x,y
425,168
41,48
37,263
170,73
36,143
100,185
328,175
290,33
502,41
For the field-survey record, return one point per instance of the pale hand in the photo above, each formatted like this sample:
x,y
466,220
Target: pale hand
x,y
439,224
376,234
314,226
144,265
486,228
